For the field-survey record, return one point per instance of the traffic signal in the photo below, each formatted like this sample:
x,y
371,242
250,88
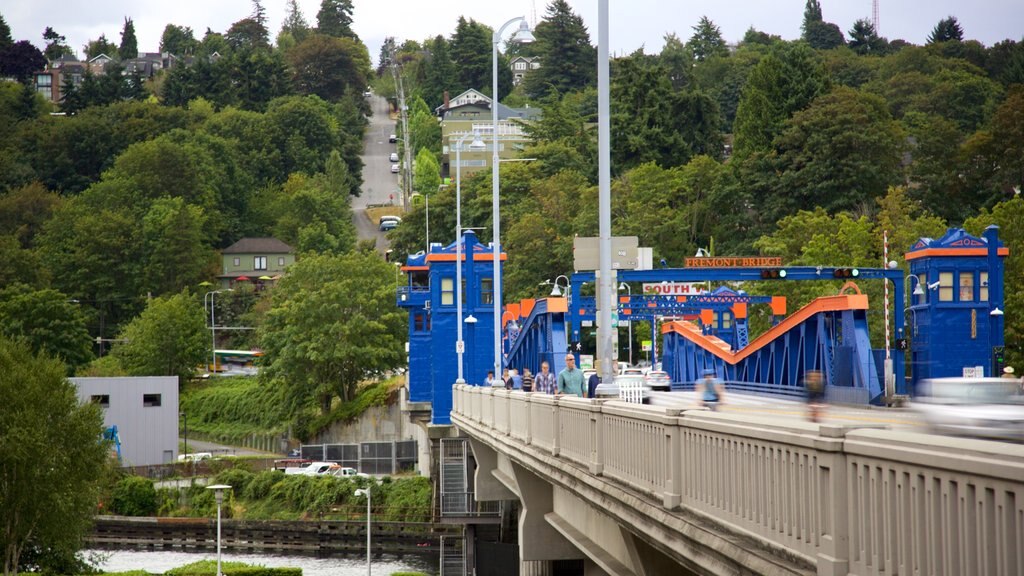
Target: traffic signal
x,y
846,272
773,273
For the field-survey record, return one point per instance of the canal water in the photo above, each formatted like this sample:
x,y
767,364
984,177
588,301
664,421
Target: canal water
x,y
158,562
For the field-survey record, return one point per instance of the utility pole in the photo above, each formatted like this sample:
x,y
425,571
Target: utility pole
x,y
403,112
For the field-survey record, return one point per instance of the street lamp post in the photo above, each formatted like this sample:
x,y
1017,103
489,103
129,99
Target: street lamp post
x,y
523,35
630,292
218,492
213,325
476,144
366,492
185,416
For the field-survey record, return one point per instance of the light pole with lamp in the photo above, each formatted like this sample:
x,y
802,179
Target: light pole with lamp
x,y
630,292
366,492
524,36
557,290
476,144
218,492
213,325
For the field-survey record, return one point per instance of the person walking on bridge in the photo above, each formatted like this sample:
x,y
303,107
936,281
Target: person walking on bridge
x,y
710,390
545,382
570,380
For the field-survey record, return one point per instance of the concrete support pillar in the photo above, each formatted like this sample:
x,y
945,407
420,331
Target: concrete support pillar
x,y
538,540
535,568
834,557
488,487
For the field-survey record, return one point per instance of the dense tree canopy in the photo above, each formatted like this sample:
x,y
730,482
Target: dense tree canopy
x,y
564,43
51,463
169,338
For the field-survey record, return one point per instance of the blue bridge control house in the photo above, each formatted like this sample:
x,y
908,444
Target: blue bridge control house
x,y
956,314
429,296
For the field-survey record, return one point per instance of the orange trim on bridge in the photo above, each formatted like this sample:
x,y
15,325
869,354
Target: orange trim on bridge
x,y
478,257
953,252
414,268
714,345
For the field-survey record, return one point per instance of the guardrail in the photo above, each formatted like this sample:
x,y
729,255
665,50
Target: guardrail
x,y
864,501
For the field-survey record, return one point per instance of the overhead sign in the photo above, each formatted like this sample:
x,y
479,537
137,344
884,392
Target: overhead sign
x,y
734,262
625,253
674,289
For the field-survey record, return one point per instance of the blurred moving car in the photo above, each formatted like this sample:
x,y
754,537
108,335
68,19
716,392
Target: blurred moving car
x,y
659,380
632,372
978,407
612,389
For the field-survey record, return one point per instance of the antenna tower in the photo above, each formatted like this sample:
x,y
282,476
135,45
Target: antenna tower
x,y
874,17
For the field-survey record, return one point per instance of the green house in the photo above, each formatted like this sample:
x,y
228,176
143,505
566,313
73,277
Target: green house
x,y
260,261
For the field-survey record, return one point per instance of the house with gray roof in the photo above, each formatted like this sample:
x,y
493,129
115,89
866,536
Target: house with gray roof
x,y
260,261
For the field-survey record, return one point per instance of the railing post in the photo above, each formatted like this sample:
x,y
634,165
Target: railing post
x,y
556,429
674,440
834,555
597,434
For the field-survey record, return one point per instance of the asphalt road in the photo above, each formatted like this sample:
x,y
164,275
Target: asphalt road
x,y
380,186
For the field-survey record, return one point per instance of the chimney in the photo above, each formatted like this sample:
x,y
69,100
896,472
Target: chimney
x,y
446,102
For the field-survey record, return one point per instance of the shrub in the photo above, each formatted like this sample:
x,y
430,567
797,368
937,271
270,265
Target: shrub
x,y
134,496
237,478
259,487
209,568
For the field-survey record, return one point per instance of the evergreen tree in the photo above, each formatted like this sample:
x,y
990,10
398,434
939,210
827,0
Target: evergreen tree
x,y
56,45
819,34
295,23
248,34
948,29
335,19
864,39
129,47
568,60
439,74
677,60
71,100
5,34
471,53
707,40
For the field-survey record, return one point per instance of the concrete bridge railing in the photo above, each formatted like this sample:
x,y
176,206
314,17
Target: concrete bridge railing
x,y
848,500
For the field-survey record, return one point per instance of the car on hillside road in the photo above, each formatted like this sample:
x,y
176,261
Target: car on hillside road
x,y
394,168
393,157
388,225
392,138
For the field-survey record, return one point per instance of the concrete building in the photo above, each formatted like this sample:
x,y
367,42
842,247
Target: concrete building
x,y
145,411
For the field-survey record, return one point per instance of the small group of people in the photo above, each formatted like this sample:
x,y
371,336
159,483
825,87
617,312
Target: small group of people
x,y
568,382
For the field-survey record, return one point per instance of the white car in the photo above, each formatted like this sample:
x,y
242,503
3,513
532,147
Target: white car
x,y
394,168
393,157
977,407
315,469
659,380
392,138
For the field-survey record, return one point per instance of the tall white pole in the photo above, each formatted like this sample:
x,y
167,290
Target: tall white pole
x,y
219,498
368,512
496,250
213,337
604,307
459,344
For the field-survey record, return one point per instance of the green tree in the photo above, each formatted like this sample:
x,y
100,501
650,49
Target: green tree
x,y
248,34
568,60
56,45
167,339
51,463
427,175
329,67
707,40
677,60
332,323
101,45
865,40
840,153
471,53
5,34
424,132
782,83
440,72
819,34
178,40
947,30
294,22
174,242
48,322
129,47
335,19
24,210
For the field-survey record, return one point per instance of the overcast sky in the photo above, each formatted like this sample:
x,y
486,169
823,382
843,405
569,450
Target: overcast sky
x,y
634,23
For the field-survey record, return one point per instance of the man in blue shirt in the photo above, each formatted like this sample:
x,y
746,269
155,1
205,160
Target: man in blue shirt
x,y
570,380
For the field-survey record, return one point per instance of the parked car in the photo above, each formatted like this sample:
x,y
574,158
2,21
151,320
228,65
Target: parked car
x,y
315,469
389,218
659,380
393,157
195,457
392,138
977,407
388,225
394,168
611,389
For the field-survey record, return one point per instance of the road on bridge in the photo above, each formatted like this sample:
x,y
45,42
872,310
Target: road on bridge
x,y
738,402
380,186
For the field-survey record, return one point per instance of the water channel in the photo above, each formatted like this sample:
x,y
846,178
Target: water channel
x,y
158,562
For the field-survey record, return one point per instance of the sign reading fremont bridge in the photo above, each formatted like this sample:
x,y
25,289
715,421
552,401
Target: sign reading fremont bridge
x,y
734,262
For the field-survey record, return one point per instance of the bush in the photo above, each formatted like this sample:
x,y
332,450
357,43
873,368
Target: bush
x,y
261,484
237,478
209,568
134,496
